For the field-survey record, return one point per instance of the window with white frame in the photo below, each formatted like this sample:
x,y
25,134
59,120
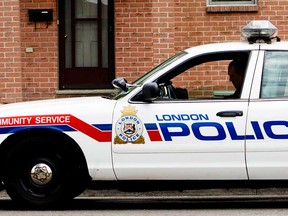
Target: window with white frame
x,y
231,2
275,75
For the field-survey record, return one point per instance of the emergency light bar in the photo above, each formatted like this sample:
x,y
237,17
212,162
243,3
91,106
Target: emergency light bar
x,y
259,31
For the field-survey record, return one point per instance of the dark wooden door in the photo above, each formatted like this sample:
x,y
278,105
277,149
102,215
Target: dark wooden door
x,y
86,44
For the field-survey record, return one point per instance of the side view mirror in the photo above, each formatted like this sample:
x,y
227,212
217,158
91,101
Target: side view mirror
x,y
150,91
120,83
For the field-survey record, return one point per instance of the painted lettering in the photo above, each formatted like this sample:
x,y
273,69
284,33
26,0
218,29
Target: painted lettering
x,y
257,130
170,130
15,121
52,119
182,117
214,131
269,125
209,126
234,135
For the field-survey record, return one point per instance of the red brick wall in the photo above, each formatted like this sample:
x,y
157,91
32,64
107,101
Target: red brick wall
x,y
10,57
39,68
178,24
146,33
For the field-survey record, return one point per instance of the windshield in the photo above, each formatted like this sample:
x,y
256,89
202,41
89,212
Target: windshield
x,y
142,79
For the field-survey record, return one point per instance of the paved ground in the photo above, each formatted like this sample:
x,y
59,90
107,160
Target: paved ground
x,y
237,193
194,194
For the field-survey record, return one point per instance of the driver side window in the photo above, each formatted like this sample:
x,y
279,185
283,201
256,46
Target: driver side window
x,y
207,80
215,76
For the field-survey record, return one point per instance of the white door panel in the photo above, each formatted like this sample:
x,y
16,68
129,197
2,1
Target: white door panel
x,y
185,166
267,154
189,141
197,137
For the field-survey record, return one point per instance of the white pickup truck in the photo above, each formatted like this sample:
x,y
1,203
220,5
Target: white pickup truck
x,y
177,122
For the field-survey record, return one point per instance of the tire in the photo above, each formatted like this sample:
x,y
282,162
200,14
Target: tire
x,y
39,172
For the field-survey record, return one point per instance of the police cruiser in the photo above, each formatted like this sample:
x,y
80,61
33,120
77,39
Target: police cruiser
x,y
181,121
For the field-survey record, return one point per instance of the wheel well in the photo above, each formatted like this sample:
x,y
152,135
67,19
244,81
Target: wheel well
x,y
66,143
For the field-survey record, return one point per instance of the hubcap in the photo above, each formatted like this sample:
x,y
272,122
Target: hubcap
x,y
41,174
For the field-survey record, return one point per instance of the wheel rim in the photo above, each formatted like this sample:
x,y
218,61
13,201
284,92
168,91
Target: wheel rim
x,y
41,174
40,178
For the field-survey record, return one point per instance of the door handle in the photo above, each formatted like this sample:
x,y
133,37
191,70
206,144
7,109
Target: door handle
x,y
230,113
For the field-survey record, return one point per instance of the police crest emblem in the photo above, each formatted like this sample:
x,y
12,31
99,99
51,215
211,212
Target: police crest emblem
x,y
129,127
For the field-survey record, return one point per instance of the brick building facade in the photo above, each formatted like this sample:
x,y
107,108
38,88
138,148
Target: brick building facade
x,y
143,34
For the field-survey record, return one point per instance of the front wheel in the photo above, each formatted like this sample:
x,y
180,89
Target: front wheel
x,y
38,173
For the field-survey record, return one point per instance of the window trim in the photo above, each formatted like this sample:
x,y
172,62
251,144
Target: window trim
x,y
230,6
231,3
280,91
